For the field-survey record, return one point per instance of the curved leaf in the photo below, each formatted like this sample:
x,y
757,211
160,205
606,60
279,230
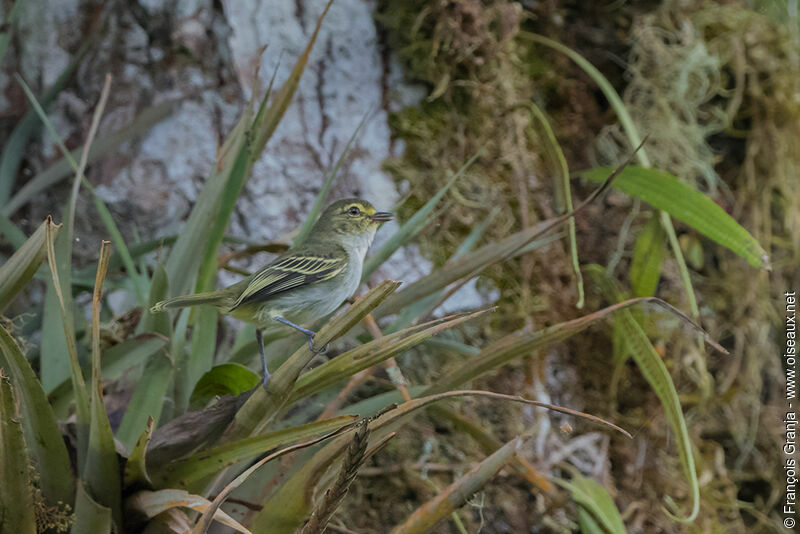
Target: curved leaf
x,y
655,372
198,466
595,500
41,427
666,192
152,503
23,264
16,504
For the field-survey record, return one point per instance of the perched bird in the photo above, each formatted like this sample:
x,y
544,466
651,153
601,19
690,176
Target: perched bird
x,y
305,283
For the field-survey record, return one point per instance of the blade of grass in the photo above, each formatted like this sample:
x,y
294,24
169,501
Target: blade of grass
x,y
189,470
103,146
26,128
558,154
18,270
135,473
595,500
78,384
16,504
647,255
91,517
522,342
46,445
101,470
655,372
139,282
322,196
413,226
369,354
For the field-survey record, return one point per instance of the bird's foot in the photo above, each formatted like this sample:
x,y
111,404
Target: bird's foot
x,y
310,338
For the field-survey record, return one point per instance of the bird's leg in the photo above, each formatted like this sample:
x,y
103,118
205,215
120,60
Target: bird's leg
x,y
260,341
308,333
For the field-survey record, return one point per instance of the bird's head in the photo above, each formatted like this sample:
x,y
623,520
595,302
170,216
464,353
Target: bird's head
x,y
351,217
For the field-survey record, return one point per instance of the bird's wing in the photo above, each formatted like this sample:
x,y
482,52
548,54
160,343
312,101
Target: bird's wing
x,y
293,270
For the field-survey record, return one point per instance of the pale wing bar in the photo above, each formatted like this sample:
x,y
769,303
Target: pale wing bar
x,y
290,272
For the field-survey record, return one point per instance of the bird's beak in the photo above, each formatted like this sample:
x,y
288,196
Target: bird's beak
x,y
381,216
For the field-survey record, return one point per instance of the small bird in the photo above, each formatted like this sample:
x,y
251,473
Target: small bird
x,y
305,283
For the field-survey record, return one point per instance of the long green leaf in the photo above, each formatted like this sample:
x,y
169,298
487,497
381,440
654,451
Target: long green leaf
x,y
655,372
105,145
593,498
666,192
185,472
413,226
564,187
64,304
522,342
186,254
91,517
322,196
369,354
16,504
8,22
139,283
17,271
101,470
26,128
254,139
46,445
647,255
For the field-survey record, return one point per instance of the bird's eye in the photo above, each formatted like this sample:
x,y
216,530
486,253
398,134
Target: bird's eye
x,y
353,210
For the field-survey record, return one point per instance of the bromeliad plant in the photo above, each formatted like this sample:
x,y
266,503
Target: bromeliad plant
x,y
198,418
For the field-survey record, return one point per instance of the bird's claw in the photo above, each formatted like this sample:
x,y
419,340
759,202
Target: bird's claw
x,y
323,350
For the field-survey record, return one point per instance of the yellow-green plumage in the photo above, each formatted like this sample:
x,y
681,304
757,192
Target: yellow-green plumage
x,y
307,282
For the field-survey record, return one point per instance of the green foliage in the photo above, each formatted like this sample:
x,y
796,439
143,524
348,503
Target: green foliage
x,y
597,512
191,429
666,192
16,504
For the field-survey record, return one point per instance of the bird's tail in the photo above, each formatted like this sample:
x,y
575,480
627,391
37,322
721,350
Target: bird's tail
x,y
211,298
